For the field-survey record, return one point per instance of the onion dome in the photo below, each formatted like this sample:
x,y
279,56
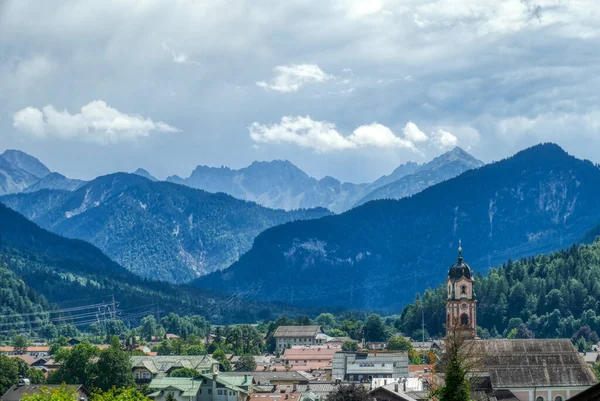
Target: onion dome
x,y
460,268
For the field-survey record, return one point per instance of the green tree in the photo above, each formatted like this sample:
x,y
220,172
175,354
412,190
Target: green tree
x,y
9,373
220,356
49,332
420,334
199,349
246,363
244,339
350,346
113,367
185,372
119,394
352,392
353,328
76,365
62,393
398,343
374,329
326,321
20,343
148,328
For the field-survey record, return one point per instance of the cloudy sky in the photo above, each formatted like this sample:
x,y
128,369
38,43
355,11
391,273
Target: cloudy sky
x,y
347,88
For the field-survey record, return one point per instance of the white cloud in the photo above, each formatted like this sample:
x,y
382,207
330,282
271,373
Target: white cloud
x,y
96,122
380,136
444,139
290,78
179,58
413,133
323,136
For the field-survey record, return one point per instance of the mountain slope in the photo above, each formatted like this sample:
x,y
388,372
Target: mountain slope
x,y
55,181
64,270
12,177
26,163
442,168
157,230
383,252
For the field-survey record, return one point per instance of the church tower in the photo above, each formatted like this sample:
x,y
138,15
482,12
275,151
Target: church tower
x,y
461,305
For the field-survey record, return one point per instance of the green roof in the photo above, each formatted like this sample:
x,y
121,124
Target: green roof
x,y
232,382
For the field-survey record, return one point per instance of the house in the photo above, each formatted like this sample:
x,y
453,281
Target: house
x,y
146,367
426,346
292,392
532,370
591,358
397,392
277,378
365,366
73,341
288,336
315,357
17,392
416,371
380,345
212,386
35,351
339,341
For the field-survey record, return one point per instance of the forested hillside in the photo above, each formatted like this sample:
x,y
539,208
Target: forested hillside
x,y
157,230
380,254
552,295
64,270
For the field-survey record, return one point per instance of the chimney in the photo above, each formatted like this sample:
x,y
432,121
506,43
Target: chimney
x,y
404,385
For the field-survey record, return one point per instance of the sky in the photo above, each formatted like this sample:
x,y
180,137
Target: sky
x,y
345,88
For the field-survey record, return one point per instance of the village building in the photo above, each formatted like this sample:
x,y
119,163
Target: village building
x,y
145,368
377,346
277,378
365,366
403,390
288,336
311,357
212,386
34,351
17,392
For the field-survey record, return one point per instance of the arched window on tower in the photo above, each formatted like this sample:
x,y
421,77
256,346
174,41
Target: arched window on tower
x,y
463,290
449,290
464,319
448,319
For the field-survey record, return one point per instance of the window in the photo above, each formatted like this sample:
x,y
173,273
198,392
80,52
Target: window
x,y
219,392
558,398
463,289
210,391
464,319
540,398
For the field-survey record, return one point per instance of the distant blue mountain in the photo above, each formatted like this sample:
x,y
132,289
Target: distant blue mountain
x,y
380,254
156,230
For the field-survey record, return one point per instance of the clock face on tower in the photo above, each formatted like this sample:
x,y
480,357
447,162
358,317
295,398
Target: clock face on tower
x,y
463,306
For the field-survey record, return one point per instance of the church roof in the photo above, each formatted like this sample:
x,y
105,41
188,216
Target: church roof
x,y
534,363
460,269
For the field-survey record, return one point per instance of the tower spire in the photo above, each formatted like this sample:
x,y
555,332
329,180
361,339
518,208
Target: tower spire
x,y
460,256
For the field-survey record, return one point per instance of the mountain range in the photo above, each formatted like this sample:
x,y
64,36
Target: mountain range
x,y
37,266
157,230
281,185
380,254
442,168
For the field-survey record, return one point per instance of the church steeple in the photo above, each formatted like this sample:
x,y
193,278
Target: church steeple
x,y
460,303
